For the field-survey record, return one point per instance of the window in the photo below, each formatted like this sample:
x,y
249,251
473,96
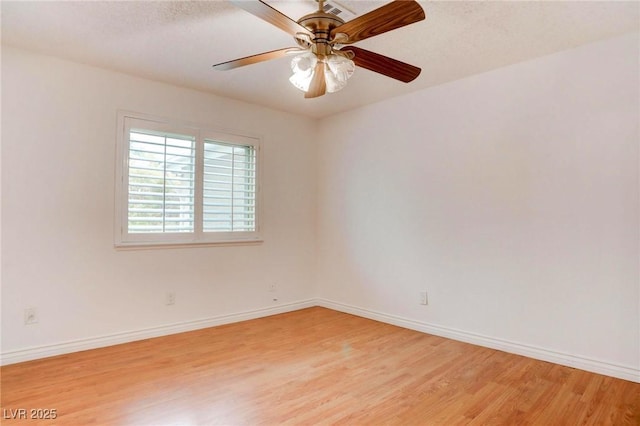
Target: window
x,y
182,184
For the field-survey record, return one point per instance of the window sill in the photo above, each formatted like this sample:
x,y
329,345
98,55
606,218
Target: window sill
x,y
151,245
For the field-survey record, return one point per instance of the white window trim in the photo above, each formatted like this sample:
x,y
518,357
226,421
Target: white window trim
x,y
123,239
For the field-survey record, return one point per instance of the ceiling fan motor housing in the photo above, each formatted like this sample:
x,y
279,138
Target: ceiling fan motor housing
x,y
320,24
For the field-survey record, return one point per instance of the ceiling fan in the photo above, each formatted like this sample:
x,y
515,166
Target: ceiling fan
x,y
324,58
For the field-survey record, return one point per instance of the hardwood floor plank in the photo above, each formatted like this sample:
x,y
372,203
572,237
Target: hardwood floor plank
x,y
313,366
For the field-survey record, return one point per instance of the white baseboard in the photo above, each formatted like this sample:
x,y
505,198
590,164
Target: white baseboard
x,y
582,363
29,354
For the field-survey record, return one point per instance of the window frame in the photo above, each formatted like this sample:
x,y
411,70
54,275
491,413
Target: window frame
x,y
126,121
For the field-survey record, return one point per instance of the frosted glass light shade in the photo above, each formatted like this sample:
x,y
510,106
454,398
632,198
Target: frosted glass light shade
x,y
303,67
337,70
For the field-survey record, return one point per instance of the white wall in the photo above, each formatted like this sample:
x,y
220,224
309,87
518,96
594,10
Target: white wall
x,y
58,153
511,197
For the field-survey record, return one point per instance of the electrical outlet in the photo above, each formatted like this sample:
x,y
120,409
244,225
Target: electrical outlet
x,y
423,298
170,298
30,316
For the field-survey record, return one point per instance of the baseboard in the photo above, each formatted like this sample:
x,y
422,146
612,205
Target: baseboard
x,y
582,363
29,354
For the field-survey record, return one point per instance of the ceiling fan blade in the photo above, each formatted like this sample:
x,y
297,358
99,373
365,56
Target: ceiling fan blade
x,y
272,16
383,64
253,59
386,18
318,85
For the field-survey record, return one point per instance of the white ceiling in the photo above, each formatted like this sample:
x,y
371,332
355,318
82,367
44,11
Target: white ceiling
x,y
178,41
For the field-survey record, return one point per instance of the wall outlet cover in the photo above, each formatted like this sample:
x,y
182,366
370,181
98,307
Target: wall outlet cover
x,y
30,316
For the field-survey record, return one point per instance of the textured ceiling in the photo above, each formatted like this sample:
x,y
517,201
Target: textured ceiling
x,y
178,41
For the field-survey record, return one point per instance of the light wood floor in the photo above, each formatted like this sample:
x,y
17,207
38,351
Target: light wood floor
x,y
313,366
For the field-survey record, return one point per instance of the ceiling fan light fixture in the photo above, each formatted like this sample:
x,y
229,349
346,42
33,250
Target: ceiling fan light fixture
x,y
303,67
337,70
333,83
304,63
301,81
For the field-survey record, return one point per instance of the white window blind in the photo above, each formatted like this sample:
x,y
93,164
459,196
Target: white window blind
x,y
181,184
229,187
161,182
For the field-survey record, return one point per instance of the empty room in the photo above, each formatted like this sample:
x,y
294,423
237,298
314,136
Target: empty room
x,y
312,212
